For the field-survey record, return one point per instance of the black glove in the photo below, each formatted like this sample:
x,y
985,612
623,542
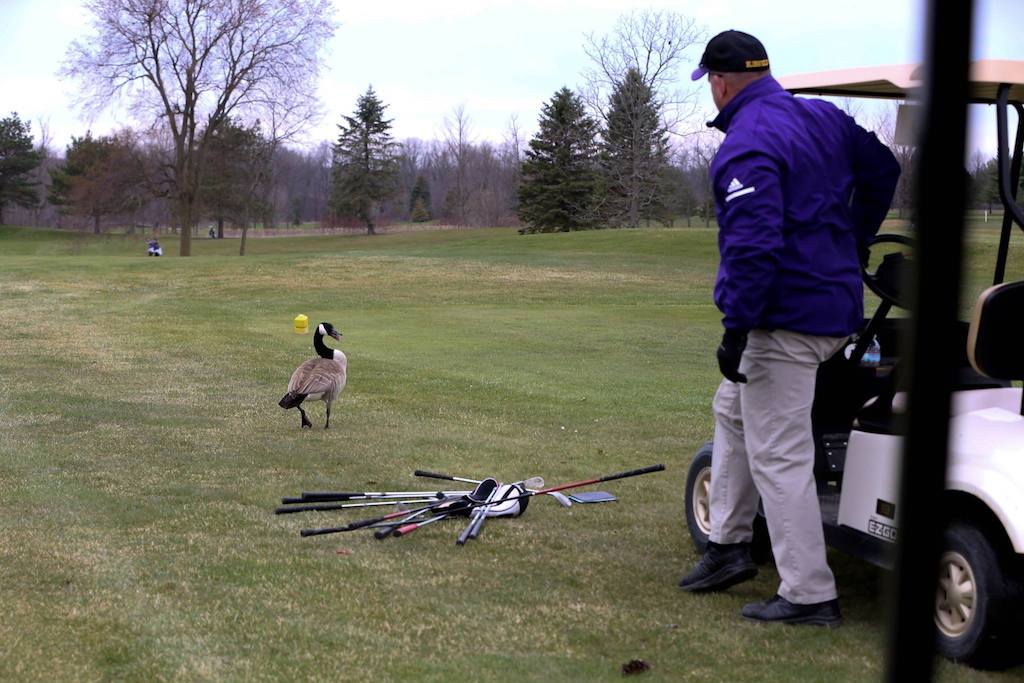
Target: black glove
x,y
729,353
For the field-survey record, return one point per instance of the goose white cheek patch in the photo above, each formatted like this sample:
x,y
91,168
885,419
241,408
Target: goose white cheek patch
x,y
321,330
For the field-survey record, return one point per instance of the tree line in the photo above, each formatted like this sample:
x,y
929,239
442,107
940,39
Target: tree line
x,y
222,85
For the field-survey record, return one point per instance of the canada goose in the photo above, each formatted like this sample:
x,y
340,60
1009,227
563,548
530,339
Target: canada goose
x,y
320,378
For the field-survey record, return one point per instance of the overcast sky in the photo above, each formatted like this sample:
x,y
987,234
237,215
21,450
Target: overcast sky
x,y
497,58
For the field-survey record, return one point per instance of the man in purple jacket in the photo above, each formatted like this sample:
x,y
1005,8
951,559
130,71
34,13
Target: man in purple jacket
x,y
800,190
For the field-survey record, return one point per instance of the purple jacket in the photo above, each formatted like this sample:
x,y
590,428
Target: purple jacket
x,y
799,189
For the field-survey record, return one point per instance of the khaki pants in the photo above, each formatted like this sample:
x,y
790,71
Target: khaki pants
x,y
764,447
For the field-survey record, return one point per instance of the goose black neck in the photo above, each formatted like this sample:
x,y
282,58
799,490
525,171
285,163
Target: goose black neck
x,y
322,349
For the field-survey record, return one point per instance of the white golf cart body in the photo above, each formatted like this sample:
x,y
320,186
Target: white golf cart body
x,y
986,462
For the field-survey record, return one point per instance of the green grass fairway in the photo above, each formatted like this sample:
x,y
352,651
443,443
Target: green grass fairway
x,y
143,453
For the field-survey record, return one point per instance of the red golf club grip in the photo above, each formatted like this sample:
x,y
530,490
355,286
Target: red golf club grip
x,y
406,529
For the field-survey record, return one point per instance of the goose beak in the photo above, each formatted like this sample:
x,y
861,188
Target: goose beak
x,y
336,334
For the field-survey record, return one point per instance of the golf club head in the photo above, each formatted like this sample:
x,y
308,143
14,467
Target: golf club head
x,y
562,499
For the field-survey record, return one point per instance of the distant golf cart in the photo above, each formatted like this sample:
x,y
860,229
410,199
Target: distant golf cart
x,y
858,408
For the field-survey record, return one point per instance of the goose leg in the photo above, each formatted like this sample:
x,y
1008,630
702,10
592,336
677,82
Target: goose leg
x,y
328,424
306,424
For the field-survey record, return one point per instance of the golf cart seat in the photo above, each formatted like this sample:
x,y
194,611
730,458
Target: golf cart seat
x,y
883,413
992,359
993,346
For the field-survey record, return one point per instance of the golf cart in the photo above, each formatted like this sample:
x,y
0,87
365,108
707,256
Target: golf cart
x,y
858,411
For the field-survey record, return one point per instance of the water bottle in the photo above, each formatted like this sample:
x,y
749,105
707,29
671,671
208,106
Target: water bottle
x,y
872,355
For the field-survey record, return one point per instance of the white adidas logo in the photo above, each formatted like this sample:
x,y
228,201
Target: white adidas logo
x,y
736,189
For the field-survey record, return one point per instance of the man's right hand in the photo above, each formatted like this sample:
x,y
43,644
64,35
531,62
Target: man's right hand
x,y
730,351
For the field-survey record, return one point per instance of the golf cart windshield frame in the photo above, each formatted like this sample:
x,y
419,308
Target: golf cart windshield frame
x,y
902,81
1009,175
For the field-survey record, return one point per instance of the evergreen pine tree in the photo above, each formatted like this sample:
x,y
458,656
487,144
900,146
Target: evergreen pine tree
x,y
17,160
420,195
634,155
558,175
366,169
419,214
237,162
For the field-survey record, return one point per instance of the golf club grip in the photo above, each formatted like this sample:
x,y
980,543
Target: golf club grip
x,y
370,522
478,524
383,532
320,532
633,473
406,529
433,475
299,508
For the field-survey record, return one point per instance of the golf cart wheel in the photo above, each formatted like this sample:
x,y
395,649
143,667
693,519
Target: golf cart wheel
x,y
972,600
698,509
698,497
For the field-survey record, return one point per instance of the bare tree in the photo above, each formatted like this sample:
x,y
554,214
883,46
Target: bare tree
x,y
513,140
699,153
885,125
512,158
438,167
654,43
189,65
459,144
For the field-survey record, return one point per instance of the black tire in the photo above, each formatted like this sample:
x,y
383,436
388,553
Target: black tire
x,y
976,601
698,479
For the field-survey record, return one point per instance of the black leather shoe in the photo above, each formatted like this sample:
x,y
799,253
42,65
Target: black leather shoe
x,y
779,609
723,565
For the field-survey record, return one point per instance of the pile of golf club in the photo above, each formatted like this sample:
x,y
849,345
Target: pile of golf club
x,y
416,509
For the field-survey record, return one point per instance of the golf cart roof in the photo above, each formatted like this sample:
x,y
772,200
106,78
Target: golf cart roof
x,y
900,81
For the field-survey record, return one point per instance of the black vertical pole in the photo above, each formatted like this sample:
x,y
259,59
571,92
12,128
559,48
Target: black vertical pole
x,y
940,200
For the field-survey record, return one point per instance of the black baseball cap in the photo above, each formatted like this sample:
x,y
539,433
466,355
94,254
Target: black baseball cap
x,y
732,52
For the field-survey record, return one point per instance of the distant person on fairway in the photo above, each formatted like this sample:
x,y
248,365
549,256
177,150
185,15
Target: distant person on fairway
x,y
800,190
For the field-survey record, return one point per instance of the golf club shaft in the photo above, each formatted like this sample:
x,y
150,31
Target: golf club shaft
x,y
461,540
323,507
384,530
409,528
576,484
337,496
447,477
362,524
478,524
530,483
352,526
